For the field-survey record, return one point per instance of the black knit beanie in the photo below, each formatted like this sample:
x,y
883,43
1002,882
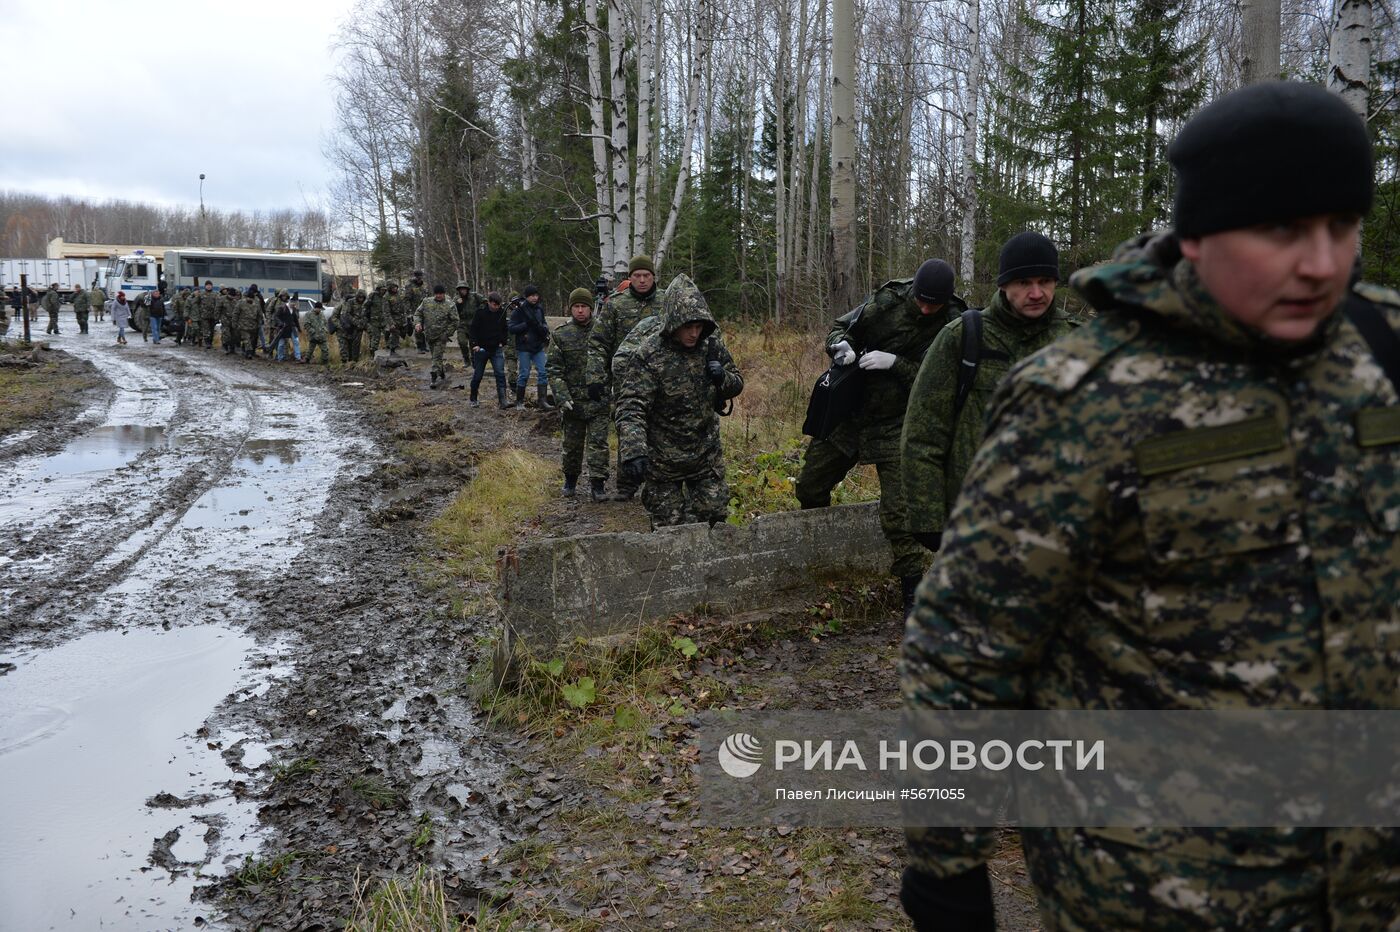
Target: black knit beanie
x,y
1028,255
934,282
1267,153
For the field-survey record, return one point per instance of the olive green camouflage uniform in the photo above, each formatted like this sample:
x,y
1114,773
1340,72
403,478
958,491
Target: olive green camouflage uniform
x,y
177,312
466,313
314,323
97,301
935,454
380,316
207,308
350,318
51,302
400,317
414,296
247,318
1104,554
665,411
622,311
81,308
439,321
889,321
227,304
584,423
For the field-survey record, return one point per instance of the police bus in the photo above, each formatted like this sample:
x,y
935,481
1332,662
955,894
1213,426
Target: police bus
x,y
272,272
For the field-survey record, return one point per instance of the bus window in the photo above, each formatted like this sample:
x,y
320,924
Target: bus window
x,y
306,271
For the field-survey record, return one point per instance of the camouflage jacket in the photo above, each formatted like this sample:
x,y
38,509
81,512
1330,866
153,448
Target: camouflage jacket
x,y
377,310
466,313
568,361
177,305
96,299
619,314
80,301
401,312
627,349
934,453
353,314
665,409
247,313
314,323
51,301
1173,512
225,305
438,318
414,296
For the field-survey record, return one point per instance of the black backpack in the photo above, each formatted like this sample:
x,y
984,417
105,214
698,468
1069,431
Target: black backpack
x,y
972,355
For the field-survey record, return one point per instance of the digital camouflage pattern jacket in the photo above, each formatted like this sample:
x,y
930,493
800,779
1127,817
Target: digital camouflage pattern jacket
x,y
934,453
566,367
439,319
619,314
1172,512
666,407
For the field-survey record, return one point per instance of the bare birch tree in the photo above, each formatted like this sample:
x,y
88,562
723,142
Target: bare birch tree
x,y
844,288
1349,58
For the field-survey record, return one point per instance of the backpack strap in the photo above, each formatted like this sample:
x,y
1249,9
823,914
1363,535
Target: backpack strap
x,y
971,358
1378,334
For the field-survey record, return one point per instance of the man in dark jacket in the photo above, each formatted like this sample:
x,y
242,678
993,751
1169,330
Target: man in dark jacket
x,y
487,337
531,332
155,314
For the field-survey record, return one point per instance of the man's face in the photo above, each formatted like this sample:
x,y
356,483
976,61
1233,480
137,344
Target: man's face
x,y
494,305
642,280
926,307
462,294
208,287
439,298
1282,279
1030,297
533,299
582,313
689,334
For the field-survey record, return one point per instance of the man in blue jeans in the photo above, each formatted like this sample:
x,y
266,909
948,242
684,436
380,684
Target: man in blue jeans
x,y
531,332
487,334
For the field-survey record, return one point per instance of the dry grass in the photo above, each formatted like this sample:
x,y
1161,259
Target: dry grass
x,y
31,394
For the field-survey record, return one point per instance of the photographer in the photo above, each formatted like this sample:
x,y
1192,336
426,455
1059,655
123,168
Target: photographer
x,y
531,333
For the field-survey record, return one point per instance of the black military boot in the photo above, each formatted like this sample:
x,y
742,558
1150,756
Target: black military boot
x,y
519,397
542,398
501,396
597,489
570,486
473,400
907,585
435,377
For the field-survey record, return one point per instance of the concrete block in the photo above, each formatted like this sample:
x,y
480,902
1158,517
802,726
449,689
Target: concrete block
x,y
556,590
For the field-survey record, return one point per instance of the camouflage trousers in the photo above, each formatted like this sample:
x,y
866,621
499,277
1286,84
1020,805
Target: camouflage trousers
x,y
82,321
374,334
827,462
580,435
313,346
703,498
625,487
438,348
53,323
349,341
206,331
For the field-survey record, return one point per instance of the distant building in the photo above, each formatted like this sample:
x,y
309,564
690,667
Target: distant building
x,y
346,266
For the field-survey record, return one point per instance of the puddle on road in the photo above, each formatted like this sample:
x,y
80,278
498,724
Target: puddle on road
x,y
258,452
91,730
104,448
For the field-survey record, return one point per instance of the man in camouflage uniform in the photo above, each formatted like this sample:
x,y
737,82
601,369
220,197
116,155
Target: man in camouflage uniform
x,y
207,307
1192,502
315,325
52,301
380,318
468,303
400,318
940,437
228,303
81,308
97,301
247,320
887,337
582,420
621,312
414,296
667,418
437,322
177,315
350,319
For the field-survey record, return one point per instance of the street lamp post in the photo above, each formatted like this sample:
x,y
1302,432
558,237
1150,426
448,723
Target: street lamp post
x,y
203,218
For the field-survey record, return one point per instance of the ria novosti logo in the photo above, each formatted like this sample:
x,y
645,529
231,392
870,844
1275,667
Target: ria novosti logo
x,y
740,755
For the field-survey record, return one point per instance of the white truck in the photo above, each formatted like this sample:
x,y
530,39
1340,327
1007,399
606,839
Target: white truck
x,y
71,274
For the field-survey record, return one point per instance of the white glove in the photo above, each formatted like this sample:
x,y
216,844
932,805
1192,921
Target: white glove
x,y
842,354
569,405
877,359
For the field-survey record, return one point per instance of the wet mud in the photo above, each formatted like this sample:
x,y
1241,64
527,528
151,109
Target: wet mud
x,y
224,686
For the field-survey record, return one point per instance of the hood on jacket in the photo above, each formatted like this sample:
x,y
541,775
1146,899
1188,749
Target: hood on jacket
x,y
683,304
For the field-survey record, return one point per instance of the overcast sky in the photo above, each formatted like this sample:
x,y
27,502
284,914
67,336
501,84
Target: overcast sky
x,y
134,100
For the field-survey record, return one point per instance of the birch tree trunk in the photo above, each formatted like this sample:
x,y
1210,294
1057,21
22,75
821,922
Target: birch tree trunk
x,y
645,59
814,177
969,153
1259,25
692,118
622,183
843,149
780,181
1350,54
606,248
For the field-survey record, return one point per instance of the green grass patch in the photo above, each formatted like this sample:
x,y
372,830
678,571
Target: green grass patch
x,y
510,488
404,904
301,767
259,871
375,792
30,394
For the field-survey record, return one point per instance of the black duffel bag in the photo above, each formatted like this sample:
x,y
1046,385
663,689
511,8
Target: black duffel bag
x,y
837,395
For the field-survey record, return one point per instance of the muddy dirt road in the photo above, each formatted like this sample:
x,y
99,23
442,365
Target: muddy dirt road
x,y
208,650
